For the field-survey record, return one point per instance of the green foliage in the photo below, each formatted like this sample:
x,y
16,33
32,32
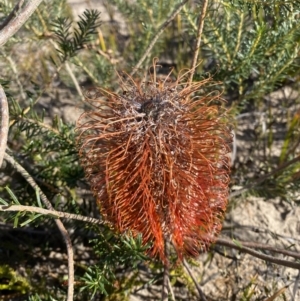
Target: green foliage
x,y
70,44
22,218
249,290
11,282
95,280
125,250
248,47
114,253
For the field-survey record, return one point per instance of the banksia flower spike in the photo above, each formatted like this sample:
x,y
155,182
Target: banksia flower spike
x,y
156,156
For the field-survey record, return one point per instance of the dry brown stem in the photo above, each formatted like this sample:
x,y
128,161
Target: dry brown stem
x,y
240,247
200,292
260,246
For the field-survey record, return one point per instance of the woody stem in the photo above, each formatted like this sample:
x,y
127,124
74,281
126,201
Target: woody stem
x,y
166,274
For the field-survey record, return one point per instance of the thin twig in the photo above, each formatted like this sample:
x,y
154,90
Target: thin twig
x,y
157,35
296,285
12,14
277,294
26,110
86,69
58,222
15,21
166,274
200,292
53,213
261,230
254,183
171,290
198,39
240,247
59,214
74,79
256,246
4,124
16,73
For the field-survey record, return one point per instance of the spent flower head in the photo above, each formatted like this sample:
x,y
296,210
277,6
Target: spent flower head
x,y
156,157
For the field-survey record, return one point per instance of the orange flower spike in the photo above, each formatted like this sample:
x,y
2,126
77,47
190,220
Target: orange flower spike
x,y
156,157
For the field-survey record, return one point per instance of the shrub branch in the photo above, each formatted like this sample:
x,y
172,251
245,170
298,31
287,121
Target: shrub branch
x,y
198,40
4,123
200,292
16,19
256,246
240,247
12,14
53,213
166,272
58,222
157,35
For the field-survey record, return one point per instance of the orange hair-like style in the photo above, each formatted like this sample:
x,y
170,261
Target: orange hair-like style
x,y
156,157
